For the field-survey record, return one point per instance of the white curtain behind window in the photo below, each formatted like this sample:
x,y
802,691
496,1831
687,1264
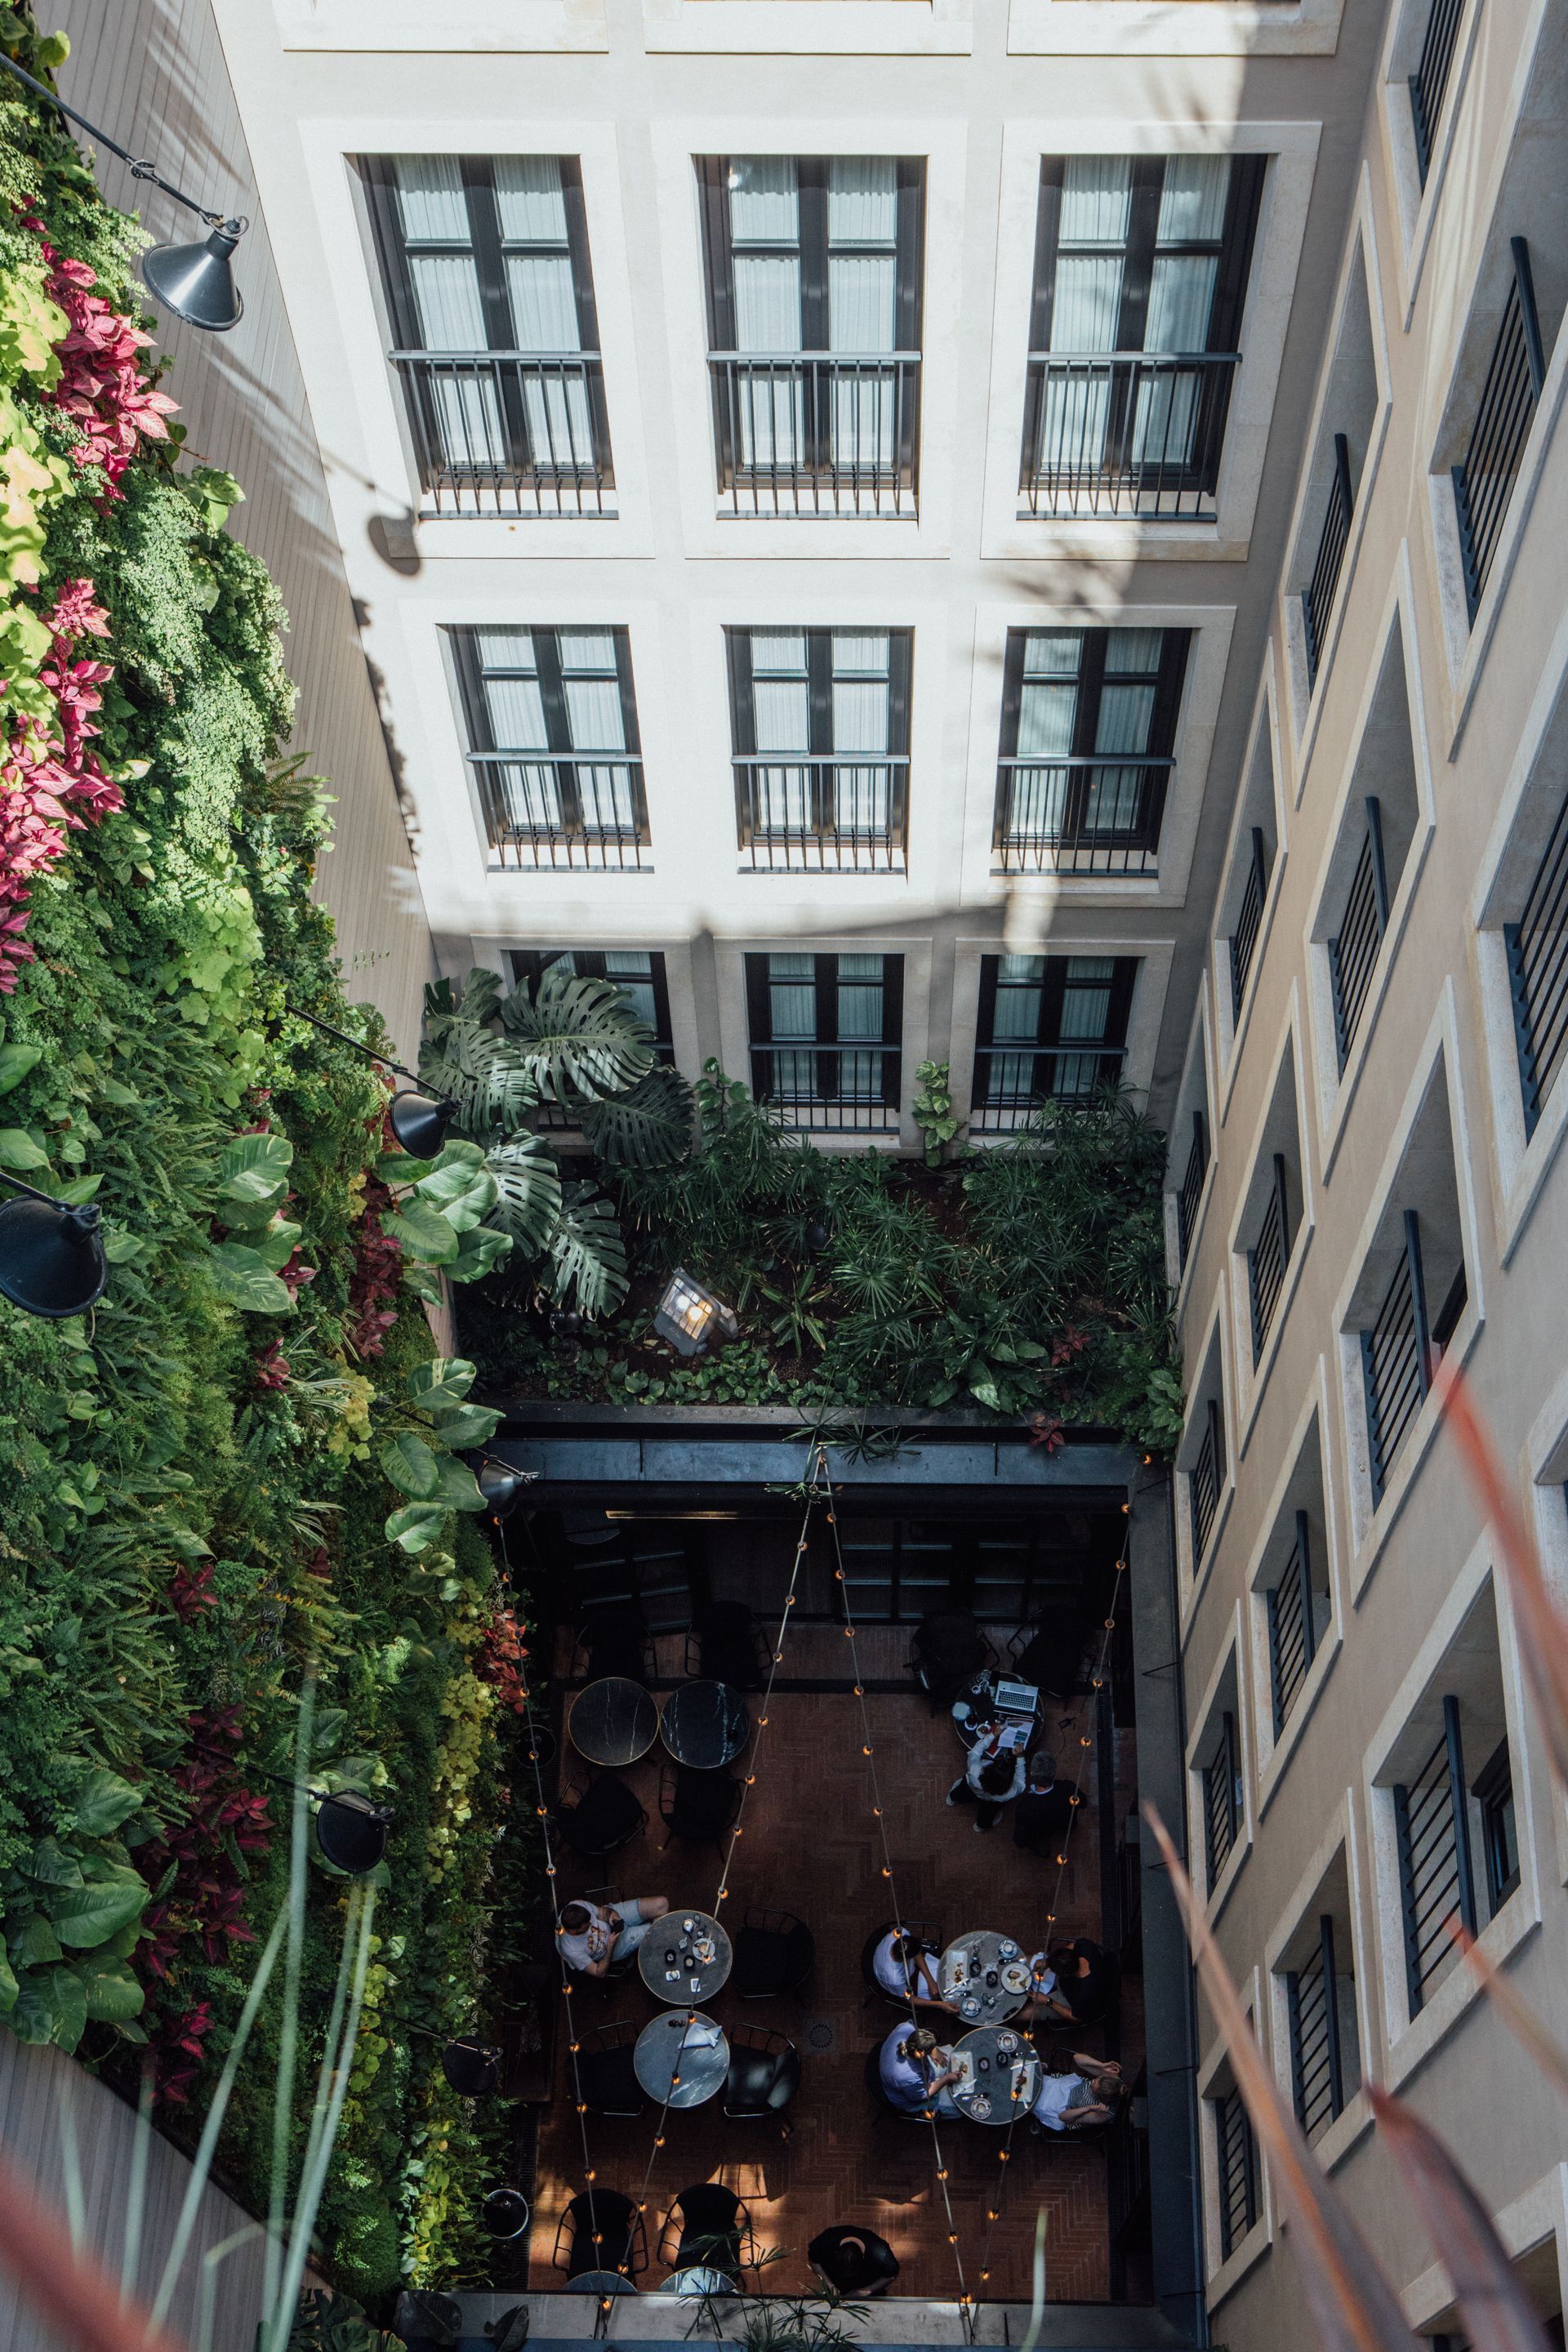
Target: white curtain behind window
x,y
432,209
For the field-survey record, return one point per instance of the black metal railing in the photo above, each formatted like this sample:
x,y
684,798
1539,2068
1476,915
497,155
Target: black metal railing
x,y
822,817
1125,433
1292,1626
1013,1084
1221,1803
1236,2159
1269,1257
1432,1836
544,809
1429,82
1312,2010
830,1089
1080,814
817,433
1187,1199
1537,949
1318,596
1248,921
1396,1359
1484,479
1354,950
1203,1480
521,433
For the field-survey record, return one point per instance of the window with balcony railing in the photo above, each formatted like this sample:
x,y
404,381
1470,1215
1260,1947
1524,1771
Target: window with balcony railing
x,y
1248,918
553,746
1236,2162
820,727
1400,1351
1429,82
1432,1839
1206,1477
1222,1801
1140,268
1192,1188
1333,537
1354,948
1297,1610
1485,476
1050,1028
1267,1256
813,309
1537,951
1317,2035
826,1036
485,265
1088,730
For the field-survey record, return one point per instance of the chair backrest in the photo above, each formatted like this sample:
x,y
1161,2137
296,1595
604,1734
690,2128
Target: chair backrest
x,y
701,1803
604,2214
709,2210
764,2073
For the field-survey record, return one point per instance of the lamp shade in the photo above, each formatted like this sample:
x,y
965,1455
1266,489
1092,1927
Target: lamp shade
x,y
352,1833
197,281
420,1123
51,1257
472,2068
501,1487
505,2212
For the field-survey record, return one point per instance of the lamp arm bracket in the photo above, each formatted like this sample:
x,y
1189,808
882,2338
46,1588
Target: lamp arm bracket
x,y
140,167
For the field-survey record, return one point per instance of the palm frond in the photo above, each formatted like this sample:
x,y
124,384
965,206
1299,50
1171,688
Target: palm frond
x,y
650,1126
579,1039
586,1251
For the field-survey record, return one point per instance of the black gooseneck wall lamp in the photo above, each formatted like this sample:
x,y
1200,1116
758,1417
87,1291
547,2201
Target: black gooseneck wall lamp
x,y
418,1120
51,1253
195,282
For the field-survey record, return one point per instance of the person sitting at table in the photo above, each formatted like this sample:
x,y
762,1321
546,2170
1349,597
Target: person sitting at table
x,y
905,1965
1084,2092
595,1940
1044,1809
992,1778
915,2071
1081,1993
853,2261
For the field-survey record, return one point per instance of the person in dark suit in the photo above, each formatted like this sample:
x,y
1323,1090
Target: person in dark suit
x,y
1042,1814
854,2261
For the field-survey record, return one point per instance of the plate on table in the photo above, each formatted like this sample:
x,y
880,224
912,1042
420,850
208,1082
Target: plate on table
x,y
1015,1977
979,2104
1009,1948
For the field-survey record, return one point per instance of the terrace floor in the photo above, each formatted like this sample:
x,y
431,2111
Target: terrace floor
x,y
811,1846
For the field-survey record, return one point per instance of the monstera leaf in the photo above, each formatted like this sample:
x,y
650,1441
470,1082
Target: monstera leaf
x,y
528,1191
648,1127
485,1076
579,1039
586,1251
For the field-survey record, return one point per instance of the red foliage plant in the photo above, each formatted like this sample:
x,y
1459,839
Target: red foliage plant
x,y
377,1270
500,1661
50,780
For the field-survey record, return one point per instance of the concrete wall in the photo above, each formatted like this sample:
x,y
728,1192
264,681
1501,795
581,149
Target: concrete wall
x,y
1432,1083
152,73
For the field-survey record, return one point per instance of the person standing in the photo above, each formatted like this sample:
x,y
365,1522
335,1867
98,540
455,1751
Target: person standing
x,y
853,2261
992,1778
1044,1809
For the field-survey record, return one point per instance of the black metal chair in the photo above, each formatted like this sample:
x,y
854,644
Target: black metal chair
x,y
774,1953
707,2226
601,2230
1049,1652
615,1641
604,1817
606,2071
930,1934
764,2076
696,1806
948,1652
723,1645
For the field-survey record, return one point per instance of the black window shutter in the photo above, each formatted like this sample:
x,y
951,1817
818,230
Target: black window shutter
x,y
985,1018
819,691
1012,704
912,207
577,238
629,694
1052,992
759,1003
900,684
713,196
484,228
1047,230
826,970
1175,646
1142,227
810,184
1123,974
1235,253
893,1027
381,192
1092,648
743,706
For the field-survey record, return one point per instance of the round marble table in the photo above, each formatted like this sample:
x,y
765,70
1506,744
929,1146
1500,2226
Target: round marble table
x,y
705,1725
975,1973
696,2279
669,1961
685,2046
612,1721
1002,2075
601,2283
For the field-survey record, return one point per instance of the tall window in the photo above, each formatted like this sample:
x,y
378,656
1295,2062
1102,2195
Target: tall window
x,y
1537,949
1141,267
637,972
813,305
1236,2164
820,722
1050,1027
1505,414
1088,728
826,1036
485,261
553,741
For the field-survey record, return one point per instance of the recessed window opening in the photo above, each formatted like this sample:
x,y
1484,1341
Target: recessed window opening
x,y
1317,1979
1379,825
1294,1585
486,268
1050,1029
1272,1210
1239,919
1335,476
1140,269
825,1033
820,728
1089,732
553,741
814,306
1236,2167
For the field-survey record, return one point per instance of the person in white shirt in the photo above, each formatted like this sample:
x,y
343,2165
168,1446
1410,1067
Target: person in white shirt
x,y
915,2071
1090,2094
905,1967
592,1939
992,1778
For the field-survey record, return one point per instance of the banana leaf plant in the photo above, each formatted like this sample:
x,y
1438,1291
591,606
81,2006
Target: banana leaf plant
x,y
73,1909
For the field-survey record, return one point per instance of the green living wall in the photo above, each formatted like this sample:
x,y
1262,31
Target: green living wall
x,y
195,1513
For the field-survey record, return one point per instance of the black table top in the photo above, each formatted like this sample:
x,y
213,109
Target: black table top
x,y
705,1725
612,1721
968,1963
677,2043
1003,2077
694,1979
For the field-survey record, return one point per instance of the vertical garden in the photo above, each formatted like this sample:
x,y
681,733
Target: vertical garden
x,y
235,1475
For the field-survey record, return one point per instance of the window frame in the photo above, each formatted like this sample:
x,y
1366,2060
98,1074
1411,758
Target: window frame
x,y
1049,1043
811,243
561,754
1089,679
825,1039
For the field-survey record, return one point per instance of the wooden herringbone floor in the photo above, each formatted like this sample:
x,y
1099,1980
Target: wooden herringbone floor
x,y
811,1846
